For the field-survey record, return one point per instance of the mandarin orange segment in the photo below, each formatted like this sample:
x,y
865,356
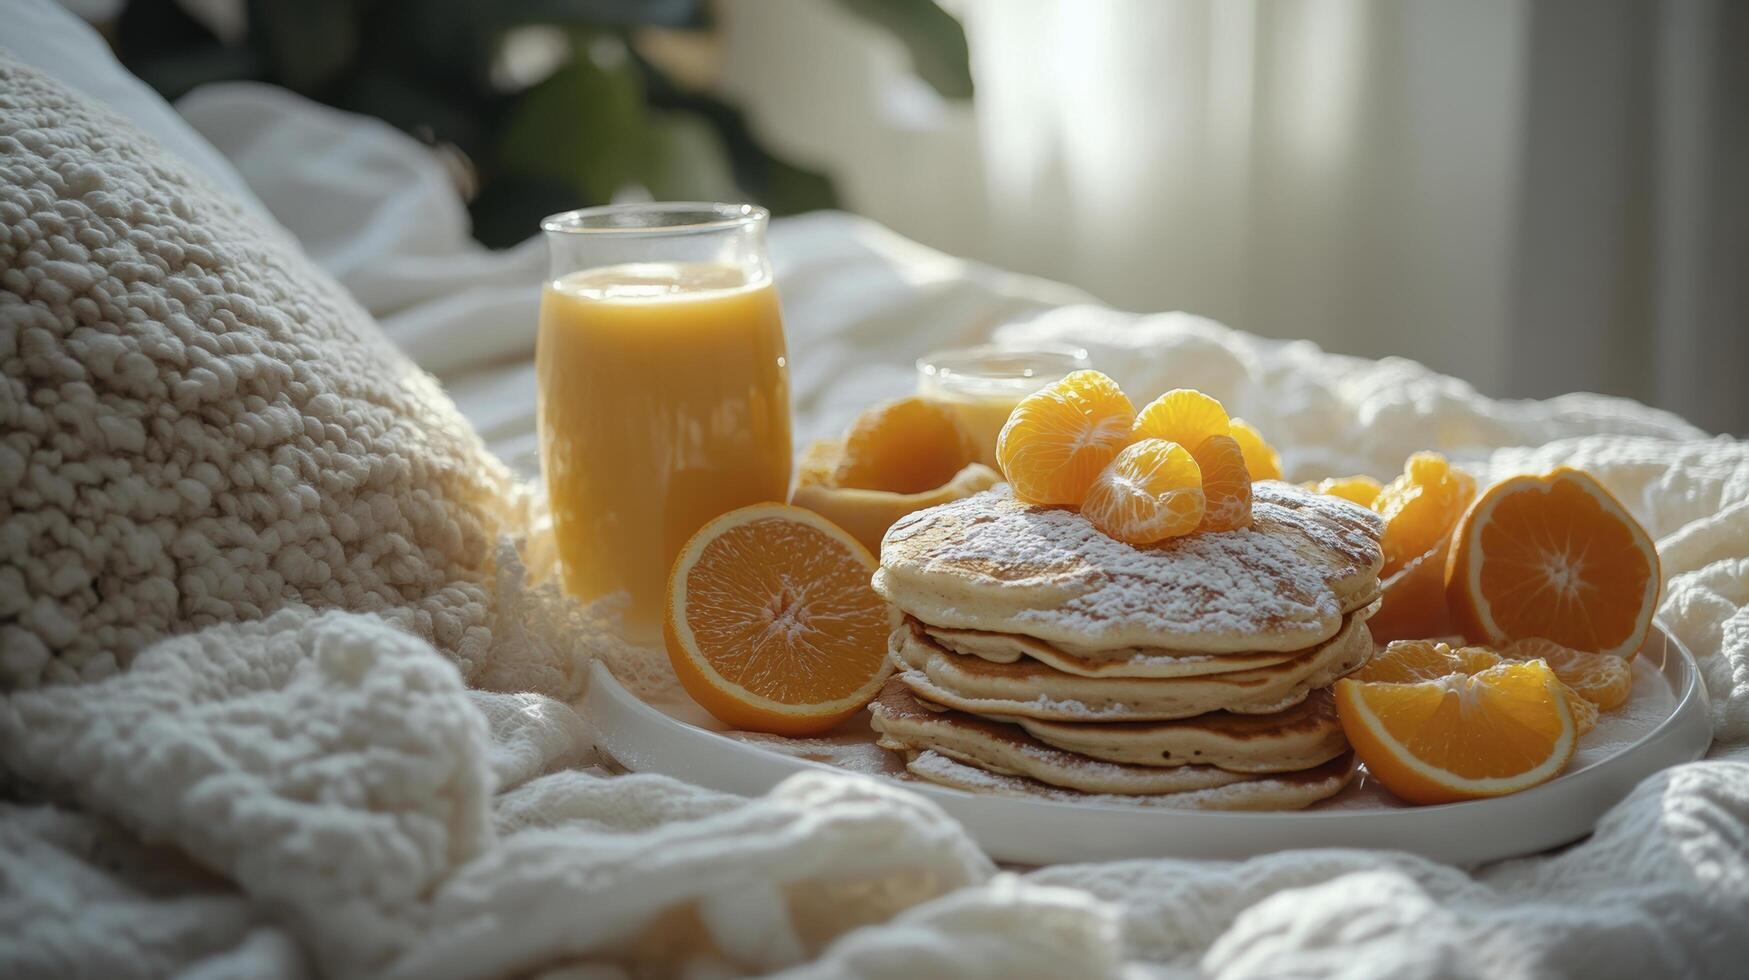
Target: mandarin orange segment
x,y
771,622
1557,557
1226,484
1261,459
1183,415
1420,507
1502,730
1585,711
1362,490
905,446
1604,679
1059,438
1152,491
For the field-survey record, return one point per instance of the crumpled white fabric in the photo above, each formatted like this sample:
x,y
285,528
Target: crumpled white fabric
x,y
317,792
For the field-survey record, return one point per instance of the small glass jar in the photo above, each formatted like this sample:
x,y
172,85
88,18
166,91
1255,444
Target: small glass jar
x,y
983,384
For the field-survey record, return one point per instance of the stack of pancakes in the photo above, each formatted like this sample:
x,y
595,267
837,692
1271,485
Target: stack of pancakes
x,y
1037,656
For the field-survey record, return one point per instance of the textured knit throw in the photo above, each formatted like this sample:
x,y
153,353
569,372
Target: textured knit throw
x,y
197,426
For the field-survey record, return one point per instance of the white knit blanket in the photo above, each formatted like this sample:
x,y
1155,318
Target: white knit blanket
x,y
318,792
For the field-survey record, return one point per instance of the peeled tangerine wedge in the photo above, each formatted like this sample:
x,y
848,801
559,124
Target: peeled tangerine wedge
x,y
1462,736
1261,459
1059,438
771,623
1362,490
1556,557
1199,423
1152,491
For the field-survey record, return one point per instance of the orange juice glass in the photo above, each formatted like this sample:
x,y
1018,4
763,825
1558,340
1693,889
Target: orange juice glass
x,y
983,384
663,388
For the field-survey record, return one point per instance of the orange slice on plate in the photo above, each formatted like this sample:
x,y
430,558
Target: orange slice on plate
x,y
1462,736
1261,459
771,623
1151,492
1556,557
1060,437
1405,661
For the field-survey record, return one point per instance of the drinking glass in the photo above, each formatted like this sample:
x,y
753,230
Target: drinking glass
x,y
663,388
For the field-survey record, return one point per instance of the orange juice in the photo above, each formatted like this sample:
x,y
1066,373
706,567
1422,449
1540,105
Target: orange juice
x,y
664,402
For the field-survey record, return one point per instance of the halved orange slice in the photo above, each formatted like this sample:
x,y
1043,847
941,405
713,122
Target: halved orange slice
x,y
771,622
1404,661
1553,556
910,445
1463,736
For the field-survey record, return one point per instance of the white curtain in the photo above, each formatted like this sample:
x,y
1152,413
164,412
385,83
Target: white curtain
x,y
1537,196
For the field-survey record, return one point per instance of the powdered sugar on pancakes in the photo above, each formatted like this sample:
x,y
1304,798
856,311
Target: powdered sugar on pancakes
x,y
992,563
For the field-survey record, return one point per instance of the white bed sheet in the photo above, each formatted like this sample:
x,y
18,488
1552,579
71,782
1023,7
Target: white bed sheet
x,y
575,863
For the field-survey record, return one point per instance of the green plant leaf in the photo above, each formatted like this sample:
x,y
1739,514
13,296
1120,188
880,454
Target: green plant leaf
x,y
605,13
585,123
688,161
309,44
508,209
935,39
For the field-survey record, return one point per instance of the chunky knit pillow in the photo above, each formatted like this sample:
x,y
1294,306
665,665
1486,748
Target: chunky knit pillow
x,y
199,426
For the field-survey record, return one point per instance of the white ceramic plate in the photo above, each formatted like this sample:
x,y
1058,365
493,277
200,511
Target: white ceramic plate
x,y
1666,722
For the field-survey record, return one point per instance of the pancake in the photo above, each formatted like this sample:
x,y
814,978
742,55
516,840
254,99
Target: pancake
x,y
907,726
1033,690
991,563
1305,735
1007,648
1286,791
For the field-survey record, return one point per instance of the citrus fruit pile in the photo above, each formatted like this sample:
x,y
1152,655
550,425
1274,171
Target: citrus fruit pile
x,y
1177,466
1551,582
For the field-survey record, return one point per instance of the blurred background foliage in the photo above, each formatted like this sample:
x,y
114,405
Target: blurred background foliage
x,y
542,105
